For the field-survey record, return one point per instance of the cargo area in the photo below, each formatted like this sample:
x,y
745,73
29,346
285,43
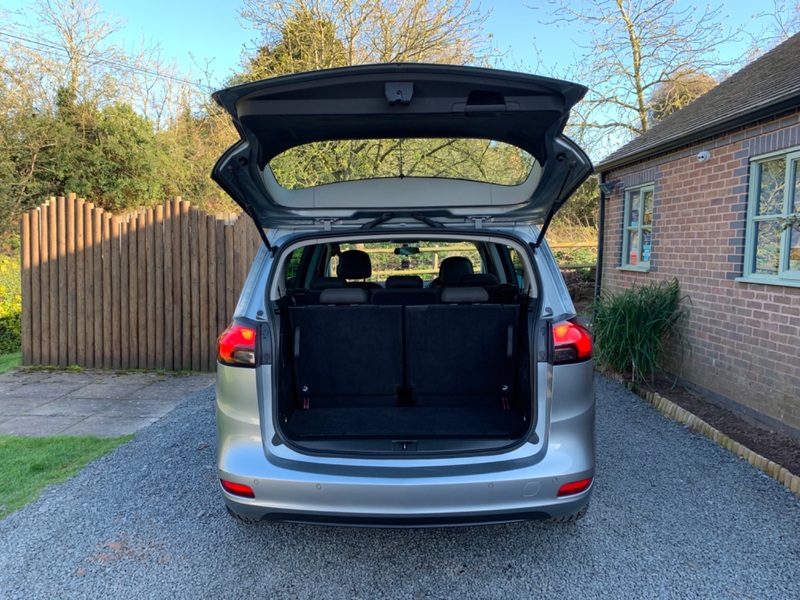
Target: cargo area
x,y
405,370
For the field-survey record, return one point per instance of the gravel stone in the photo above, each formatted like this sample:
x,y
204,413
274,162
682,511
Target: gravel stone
x,y
672,516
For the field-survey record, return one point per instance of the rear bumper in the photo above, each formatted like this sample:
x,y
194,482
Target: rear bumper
x,y
393,500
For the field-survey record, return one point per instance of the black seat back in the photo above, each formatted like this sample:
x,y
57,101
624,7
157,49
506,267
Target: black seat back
x,y
462,351
339,358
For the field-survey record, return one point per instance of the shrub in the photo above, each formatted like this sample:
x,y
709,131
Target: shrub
x,y
10,305
631,328
10,333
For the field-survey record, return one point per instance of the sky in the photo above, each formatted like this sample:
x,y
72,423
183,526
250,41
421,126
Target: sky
x,y
205,32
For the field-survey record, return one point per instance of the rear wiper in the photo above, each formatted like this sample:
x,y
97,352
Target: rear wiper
x,y
375,222
427,220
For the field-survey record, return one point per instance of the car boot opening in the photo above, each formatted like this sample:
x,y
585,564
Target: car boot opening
x,y
454,375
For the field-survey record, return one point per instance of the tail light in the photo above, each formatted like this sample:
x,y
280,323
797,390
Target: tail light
x,y
237,489
237,346
571,343
574,487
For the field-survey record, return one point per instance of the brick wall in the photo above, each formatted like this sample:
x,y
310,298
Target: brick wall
x,y
744,338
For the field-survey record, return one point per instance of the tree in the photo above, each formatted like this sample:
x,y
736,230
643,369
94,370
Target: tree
x,y
676,93
781,24
632,49
307,42
191,146
302,35
78,113
298,35
581,209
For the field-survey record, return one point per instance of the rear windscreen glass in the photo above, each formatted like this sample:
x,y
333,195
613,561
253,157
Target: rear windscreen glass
x,y
321,163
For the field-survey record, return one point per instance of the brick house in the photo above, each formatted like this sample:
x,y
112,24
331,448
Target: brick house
x,y
708,196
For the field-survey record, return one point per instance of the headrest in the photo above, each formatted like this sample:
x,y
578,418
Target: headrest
x,y
323,283
453,268
404,281
348,295
354,264
479,279
464,295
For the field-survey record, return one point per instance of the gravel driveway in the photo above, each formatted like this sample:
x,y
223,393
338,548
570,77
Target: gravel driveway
x,y
673,516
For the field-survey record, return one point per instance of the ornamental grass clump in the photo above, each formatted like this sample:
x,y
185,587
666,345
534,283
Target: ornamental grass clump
x,y
632,328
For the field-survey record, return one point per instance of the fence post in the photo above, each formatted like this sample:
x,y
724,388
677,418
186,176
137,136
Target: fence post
x,y
80,284
202,255
71,291
97,256
158,317
186,301
213,285
34,300
26,317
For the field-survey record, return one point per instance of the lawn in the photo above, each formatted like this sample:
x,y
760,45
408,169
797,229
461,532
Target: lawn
x,y
9,361
29,464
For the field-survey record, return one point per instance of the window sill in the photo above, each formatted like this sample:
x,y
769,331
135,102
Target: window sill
x,y
795,283
634,269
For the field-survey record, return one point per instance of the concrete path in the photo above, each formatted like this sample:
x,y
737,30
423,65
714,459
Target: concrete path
x,y
36,402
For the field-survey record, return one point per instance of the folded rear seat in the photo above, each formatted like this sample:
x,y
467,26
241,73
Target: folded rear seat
x,y
461,352
345,351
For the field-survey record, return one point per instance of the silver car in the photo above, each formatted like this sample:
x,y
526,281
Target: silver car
x,y
404,352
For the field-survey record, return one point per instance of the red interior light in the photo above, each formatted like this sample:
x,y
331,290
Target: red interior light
x,y
574,487
237,489
237,345
572,343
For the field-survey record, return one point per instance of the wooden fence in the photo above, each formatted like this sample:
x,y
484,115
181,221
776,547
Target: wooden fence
x,y
564,266
150,290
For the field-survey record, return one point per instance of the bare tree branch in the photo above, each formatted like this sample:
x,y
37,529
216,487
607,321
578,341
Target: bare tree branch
x,y
633,48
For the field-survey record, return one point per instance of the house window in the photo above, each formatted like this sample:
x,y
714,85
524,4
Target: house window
x,y
638,227
772,251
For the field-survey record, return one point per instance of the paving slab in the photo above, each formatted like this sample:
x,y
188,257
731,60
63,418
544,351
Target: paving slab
x,y
16,406
7,388
90,402
34,375
69,406
38,426
105,390
49,389
108,426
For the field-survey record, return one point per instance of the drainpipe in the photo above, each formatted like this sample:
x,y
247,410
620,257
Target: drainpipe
x,y
601,230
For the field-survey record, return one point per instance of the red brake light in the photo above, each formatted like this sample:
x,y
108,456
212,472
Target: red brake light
x,y
237,346
574,487
237,489
571,343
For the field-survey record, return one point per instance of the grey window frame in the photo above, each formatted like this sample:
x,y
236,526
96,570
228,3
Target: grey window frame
x,y
639,192
785,275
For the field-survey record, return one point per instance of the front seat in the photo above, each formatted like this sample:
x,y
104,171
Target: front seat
x,y
452,270
355,264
